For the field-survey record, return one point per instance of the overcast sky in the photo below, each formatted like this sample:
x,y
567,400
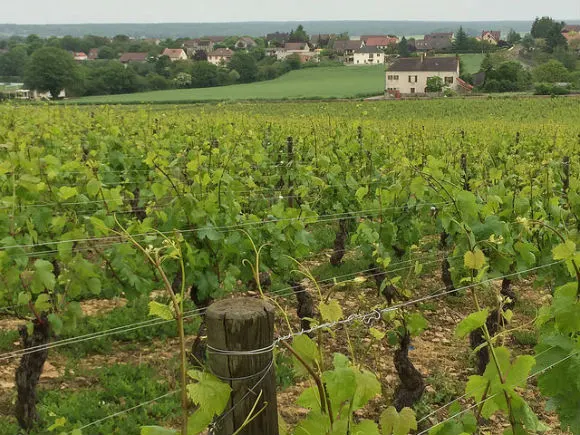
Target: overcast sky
x,y
160,11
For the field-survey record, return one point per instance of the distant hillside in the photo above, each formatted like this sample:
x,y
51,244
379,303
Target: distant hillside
x,y
174,30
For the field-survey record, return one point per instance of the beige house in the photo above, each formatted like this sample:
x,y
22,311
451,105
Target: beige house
x,y
174,54
368,56
221,56
491,36
246,43
408,76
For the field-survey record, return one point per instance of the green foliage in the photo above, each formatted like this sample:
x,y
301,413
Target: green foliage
x,y
471,323
245,65
513,37
435,84
551,72
51,70
298,35
403,47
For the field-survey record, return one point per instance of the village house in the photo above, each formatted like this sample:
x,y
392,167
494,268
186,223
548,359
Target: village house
x,y
572,33
93,54
278,52
221,56
368,55
491,36
80,56
346,49
246,43
408,76
174,54
321,39
435,41
134,57
193,45
296,47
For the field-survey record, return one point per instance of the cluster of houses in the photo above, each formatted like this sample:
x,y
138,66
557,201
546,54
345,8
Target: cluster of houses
x,y
364,50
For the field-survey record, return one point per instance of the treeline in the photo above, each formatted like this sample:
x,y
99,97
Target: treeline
x,y
45,64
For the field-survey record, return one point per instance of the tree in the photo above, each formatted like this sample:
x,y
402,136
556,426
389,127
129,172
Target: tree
x,y
567,57
182,80
204,75
551,72
403,47
513,37
14,62
507,77
199,55
163,66
107,53
434,84
461,42
554,39
245,65
528,42
119,80
542,27
51,69
298,35
293,61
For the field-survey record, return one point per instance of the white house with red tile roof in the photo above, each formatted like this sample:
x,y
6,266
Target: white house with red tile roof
x,y
80,56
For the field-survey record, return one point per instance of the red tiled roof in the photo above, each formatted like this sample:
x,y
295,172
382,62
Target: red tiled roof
x,y
222,52
464,85
173,53
571,28
378,41
296,46
134,57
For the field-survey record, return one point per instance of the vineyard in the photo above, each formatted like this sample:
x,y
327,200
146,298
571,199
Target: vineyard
x,y
415,265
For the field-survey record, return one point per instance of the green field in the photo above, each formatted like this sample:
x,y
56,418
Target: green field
x,y
311,83
471,62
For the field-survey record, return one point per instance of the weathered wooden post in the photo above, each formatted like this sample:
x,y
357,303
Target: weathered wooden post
x,y
240,352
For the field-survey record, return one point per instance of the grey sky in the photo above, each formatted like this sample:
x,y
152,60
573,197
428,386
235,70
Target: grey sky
x,y
147,11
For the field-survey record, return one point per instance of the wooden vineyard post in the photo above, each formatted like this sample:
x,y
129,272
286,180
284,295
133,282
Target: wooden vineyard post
x,y
240,352
290,183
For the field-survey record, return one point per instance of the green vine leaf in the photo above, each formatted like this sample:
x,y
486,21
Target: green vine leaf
x,y
330,312
564,251
160,310
158,430
211,394
471,323
474,260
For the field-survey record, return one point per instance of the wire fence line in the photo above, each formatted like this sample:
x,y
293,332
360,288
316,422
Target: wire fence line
x,y
186,315
228,228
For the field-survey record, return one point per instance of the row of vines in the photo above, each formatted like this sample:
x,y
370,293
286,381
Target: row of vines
x,y
205,202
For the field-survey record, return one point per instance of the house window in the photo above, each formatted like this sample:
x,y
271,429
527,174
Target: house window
x,y
395,77
412,90
413,79
448,80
